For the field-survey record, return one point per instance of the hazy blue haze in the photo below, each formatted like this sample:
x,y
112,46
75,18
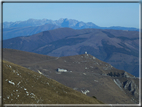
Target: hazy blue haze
x,y
102,14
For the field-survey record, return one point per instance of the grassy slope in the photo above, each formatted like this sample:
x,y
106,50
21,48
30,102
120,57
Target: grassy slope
x,y
20,56
105,89
31,87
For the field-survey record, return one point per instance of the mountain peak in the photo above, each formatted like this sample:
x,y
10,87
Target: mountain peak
x,y
62,22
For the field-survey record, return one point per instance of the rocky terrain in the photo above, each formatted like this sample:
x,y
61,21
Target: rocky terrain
x,y
23,86
116,47
84,73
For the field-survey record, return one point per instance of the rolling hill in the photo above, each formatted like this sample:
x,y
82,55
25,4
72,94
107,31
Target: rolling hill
x,y
23,86
116,47
84,73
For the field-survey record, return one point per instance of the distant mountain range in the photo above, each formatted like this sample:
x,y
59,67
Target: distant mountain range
x,y
33,26
118,48
84,73
100,62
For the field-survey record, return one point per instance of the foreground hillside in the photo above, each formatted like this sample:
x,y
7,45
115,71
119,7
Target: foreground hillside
x,y
116,47
23,86
84,73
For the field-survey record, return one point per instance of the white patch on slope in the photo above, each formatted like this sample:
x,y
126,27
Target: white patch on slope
x,y
39,72
118,84
11,82
85,92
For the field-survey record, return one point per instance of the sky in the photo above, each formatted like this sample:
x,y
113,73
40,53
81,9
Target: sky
x,y
101,14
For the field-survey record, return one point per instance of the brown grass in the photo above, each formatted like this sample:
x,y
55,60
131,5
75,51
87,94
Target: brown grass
x,y
32,82
104,90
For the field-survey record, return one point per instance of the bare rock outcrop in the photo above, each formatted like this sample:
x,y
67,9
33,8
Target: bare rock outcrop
x,y
131,87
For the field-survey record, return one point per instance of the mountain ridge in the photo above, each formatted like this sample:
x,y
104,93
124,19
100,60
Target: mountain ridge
x,y
33,26
26,31
82,72
119,48
23,86
64,22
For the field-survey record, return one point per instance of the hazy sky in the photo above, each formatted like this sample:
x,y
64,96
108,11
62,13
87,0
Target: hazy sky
x,y
101,14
